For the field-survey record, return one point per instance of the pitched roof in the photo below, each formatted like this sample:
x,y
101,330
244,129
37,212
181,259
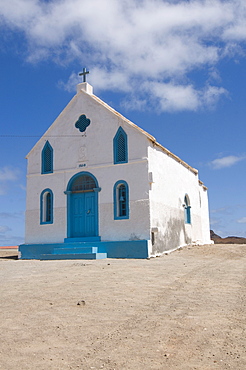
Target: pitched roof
x,y
150,137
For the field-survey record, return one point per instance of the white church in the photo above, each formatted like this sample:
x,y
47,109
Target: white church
x,y
99,186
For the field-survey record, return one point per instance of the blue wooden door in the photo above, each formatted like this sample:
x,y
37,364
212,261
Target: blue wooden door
x,y
83,215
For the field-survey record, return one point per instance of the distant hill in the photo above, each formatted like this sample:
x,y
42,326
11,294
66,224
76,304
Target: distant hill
x,y
228,240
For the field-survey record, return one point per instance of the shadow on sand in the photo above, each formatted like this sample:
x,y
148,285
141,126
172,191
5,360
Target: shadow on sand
x,y
15,257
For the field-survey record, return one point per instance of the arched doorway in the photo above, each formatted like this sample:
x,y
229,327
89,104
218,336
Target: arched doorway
x,y
82,207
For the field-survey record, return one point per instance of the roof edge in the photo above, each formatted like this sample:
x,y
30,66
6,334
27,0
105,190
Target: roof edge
x,y
149,136
53,123
174,156
202,184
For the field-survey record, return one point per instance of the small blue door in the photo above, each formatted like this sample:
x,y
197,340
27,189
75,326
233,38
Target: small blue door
x,y
83,222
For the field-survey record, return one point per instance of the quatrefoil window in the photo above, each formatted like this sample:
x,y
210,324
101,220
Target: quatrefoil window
x,y
82,123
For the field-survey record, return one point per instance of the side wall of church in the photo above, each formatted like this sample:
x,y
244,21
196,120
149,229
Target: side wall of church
x,y
205,215
74,152
172,181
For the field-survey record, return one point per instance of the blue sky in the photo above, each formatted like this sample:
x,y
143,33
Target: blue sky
x,y
175,68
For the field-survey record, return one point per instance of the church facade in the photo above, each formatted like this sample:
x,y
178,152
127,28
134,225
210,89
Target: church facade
x,y
99,186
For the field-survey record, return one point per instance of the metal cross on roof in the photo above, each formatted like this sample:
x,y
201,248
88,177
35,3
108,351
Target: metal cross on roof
x,y
84,73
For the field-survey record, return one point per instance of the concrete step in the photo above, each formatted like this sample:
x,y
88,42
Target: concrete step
x,y
73,256
75,250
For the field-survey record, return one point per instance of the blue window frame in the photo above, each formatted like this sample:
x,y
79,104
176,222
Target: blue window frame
x,y
120,147
47,158
187,208
46,207
121,200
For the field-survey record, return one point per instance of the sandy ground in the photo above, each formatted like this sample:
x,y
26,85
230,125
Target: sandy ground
x,y
185,310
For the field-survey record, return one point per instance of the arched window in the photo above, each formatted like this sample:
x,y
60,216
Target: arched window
x,y
121,200
47,158
187,210
120,147
46,207
83,182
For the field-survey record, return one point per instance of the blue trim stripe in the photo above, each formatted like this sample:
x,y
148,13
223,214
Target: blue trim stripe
x,y
110,249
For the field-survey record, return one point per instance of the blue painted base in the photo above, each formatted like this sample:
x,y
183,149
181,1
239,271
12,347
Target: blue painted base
x,y
84,239
85,250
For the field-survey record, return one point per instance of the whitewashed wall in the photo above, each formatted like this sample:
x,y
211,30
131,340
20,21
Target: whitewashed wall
x,y
205,215
171,182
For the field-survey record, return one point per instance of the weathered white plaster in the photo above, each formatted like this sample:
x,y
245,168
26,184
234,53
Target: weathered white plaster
x,y
171,182
86,87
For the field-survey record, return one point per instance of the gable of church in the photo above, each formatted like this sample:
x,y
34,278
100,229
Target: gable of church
x,y
87,133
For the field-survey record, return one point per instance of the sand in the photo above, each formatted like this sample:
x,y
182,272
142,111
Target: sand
x,y
185,310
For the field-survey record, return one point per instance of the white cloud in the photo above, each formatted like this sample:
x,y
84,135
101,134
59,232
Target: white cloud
x,y
223,210
211,94
7,215
10,240
180,97
131,44
7,174
214,222
4,229
176,97
237,29
70,85
2,189
228,161
242,220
